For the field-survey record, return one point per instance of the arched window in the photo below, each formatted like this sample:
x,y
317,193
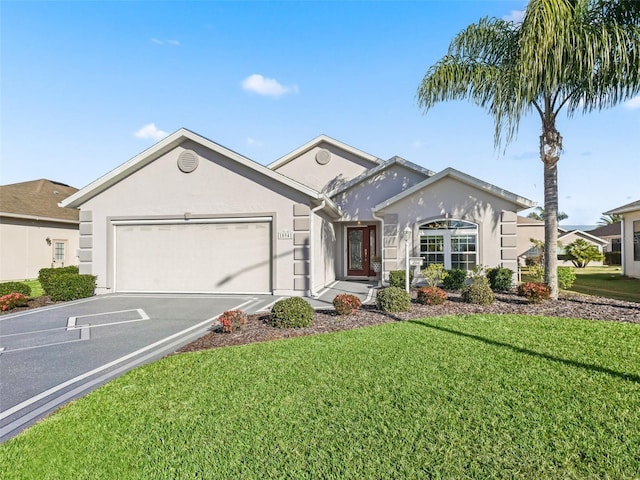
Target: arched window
x,y
452,243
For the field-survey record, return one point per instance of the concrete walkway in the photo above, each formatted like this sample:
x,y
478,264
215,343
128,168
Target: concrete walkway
x,y
365,291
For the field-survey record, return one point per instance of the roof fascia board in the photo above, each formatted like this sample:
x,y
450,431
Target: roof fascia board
x,y
37,218
632,207
166,145
584,234
374,171
315,142
522,202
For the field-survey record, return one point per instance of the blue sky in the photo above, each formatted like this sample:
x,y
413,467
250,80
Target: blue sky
x,y
85,86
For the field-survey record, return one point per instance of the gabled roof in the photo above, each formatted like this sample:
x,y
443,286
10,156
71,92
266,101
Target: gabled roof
x,y
610,230
521,202
528,221
37,200
629,207
171,142
585,235
317,141
374,171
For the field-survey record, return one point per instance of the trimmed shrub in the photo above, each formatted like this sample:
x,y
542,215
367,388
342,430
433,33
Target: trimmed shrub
x,y
534,292
48,276
612,258
13,300
346,304
455,279
71,286
478,292
393,299
14,287
536,272
500,279
396,278
232,320
431,296
293,312
566,277
434,274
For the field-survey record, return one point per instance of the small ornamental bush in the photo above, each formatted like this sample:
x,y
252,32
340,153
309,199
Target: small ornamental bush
x,y
478,292
14,287
346,304
536,272
13,300
71,286
232,320
293,312
566,277
500,279
434,274
396,278
48,276
431,296
455,279
393,299
534,292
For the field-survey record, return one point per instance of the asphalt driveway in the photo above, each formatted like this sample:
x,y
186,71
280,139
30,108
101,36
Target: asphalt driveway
x,y
51,355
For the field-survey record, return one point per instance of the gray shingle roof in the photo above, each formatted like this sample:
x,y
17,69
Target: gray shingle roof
x,y
37,198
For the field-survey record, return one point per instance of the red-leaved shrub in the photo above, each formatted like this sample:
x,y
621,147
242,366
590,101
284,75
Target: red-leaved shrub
x,y
346,304
232,320
534,292
431,296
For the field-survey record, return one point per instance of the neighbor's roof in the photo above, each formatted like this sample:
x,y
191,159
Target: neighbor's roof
x,y
610,230
584,235
317,141
374,171
521,202
171,142
528,221
629,207
37,200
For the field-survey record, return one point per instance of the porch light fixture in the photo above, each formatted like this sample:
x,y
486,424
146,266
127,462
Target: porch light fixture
x,y
407,235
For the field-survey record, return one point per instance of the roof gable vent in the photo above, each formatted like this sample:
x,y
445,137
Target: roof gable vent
x,y
188,161
323,156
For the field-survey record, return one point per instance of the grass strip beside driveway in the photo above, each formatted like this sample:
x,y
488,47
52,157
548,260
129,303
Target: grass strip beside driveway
x,y
473,396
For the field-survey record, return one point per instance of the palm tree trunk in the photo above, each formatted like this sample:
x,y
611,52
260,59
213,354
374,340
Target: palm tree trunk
x,y
550,148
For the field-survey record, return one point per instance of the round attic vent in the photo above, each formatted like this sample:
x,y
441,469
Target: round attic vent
x,y
323,156
188,161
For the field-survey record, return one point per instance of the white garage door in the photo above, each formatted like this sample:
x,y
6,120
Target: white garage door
x,y
194,257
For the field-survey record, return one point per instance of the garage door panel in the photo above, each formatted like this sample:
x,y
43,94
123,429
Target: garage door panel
x,y
203,257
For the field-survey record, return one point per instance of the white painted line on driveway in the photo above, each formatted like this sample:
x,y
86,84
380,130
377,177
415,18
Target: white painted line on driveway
x,y
72,321
53,307
71,381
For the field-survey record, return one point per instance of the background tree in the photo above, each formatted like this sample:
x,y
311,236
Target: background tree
x,y
609,219
576,55
539,215
581,252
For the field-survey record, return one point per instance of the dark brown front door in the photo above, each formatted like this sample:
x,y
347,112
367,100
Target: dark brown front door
x,y
361,246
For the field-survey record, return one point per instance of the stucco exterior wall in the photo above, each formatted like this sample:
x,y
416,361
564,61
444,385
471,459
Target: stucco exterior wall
x,y
25,249
324,248
456,200
341,167
356,202
218,188
631,267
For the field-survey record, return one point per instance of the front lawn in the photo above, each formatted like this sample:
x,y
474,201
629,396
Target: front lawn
x,y
606,282
36,288
477,396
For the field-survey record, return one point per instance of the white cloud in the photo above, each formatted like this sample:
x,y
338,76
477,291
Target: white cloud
x,y
515,16
633,104
150,131
417,144
254,143
157,41
256,83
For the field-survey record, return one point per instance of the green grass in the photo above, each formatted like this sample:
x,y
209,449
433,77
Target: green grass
x,y
36,288
605,281
481,396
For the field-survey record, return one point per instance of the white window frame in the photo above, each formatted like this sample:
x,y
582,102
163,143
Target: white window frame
x,y
448,233
54,244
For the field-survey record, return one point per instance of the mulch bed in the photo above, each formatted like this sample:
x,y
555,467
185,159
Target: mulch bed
x,y
588,307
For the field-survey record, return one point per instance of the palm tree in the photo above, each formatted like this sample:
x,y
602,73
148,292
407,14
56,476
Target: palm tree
x,y
609,219
577,55
539,215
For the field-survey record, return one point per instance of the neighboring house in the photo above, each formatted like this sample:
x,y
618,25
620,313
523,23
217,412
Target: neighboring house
x,y
630,233
34,231
612,234
189,215
529,228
